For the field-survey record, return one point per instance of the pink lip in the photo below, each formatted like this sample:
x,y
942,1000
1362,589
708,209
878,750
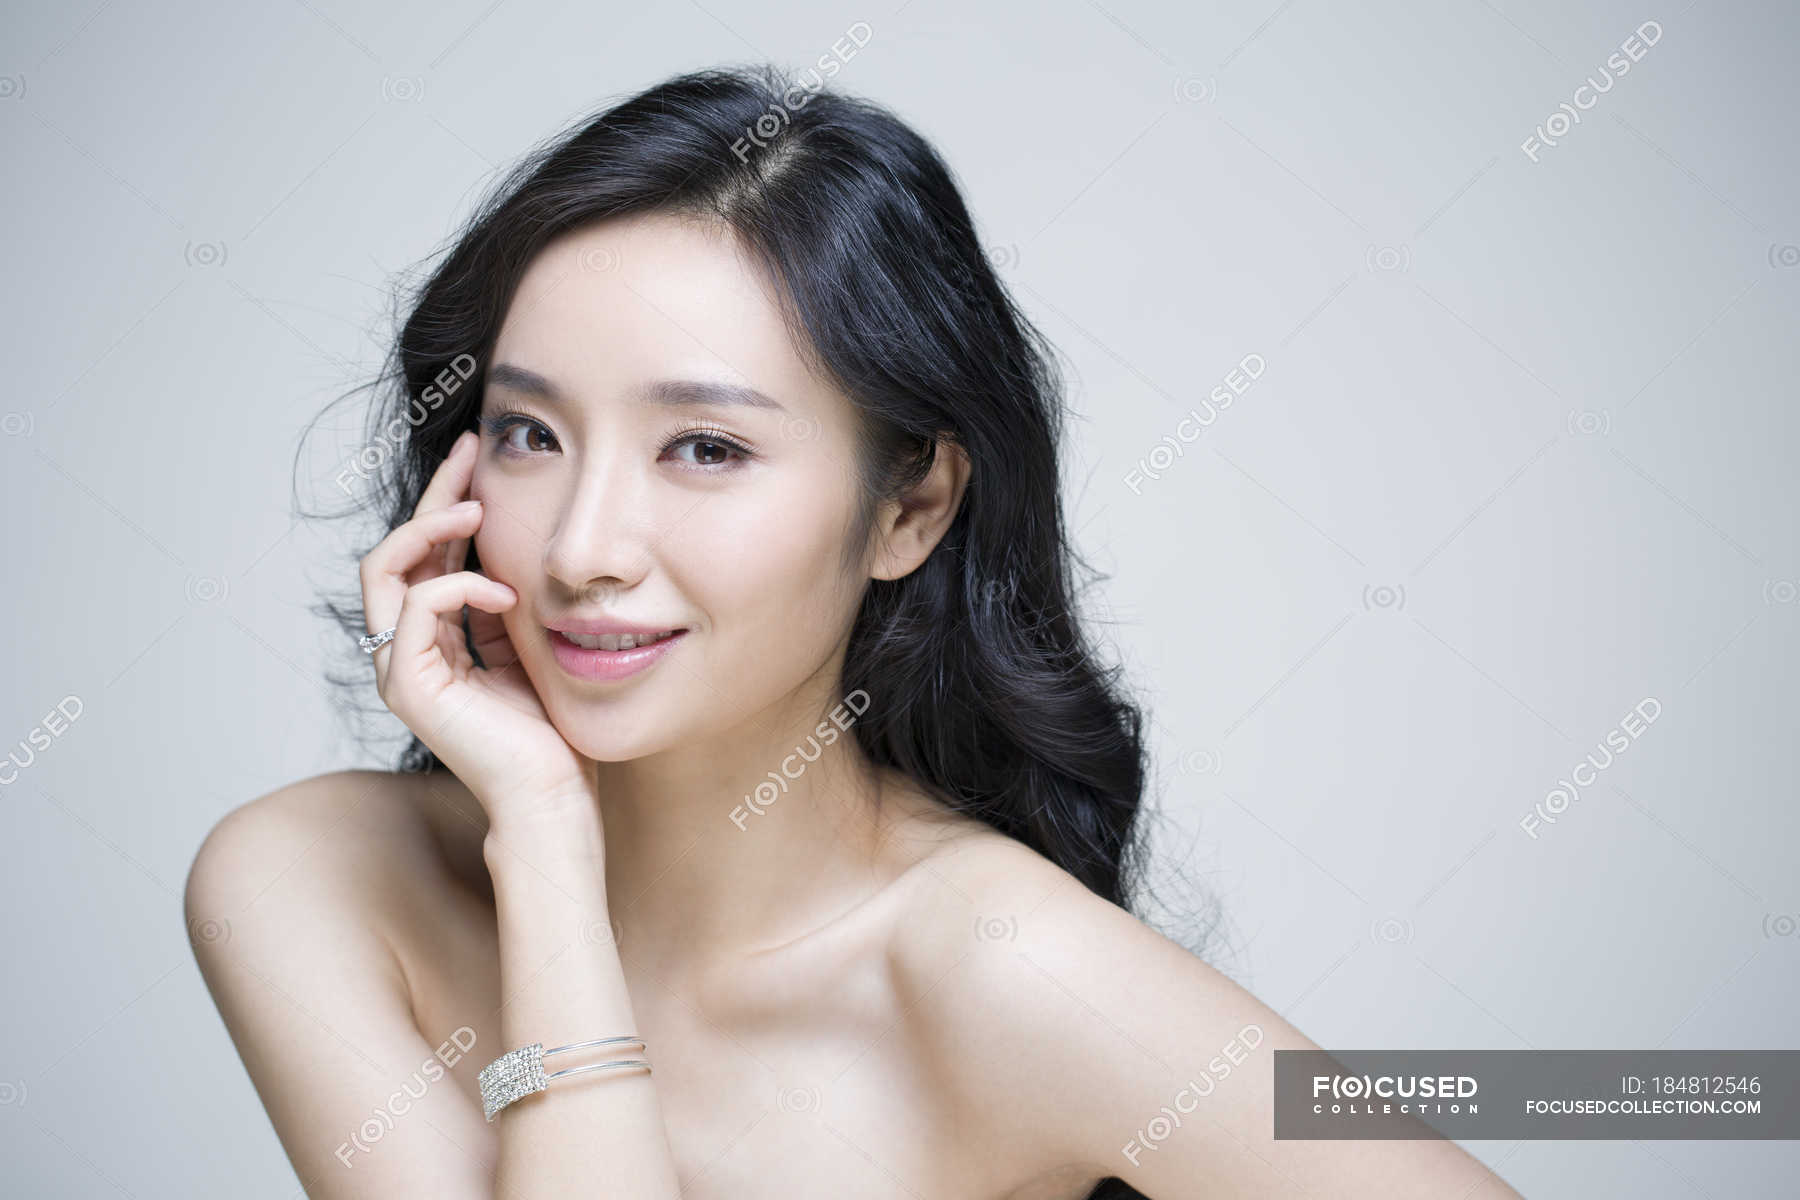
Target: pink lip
x,y
607,626
607,664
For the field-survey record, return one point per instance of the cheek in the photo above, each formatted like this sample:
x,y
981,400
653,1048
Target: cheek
x,y
505,542
768,561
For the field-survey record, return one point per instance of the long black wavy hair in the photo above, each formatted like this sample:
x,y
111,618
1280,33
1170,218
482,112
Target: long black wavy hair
x,y
984,688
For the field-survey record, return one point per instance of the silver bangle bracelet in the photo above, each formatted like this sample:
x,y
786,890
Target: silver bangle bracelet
x,y
520,1072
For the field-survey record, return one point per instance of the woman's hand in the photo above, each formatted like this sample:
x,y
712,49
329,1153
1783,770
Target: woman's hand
x,y
487,725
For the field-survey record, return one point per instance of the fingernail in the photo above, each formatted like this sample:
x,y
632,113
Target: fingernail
x,y
466,505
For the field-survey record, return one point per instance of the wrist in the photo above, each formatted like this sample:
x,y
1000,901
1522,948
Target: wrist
x,y
566,829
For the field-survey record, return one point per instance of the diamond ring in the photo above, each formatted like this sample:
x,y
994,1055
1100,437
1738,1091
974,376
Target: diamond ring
x,y
371,642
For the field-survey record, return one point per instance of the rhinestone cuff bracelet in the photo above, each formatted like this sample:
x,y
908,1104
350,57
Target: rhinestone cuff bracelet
x,y
521,1072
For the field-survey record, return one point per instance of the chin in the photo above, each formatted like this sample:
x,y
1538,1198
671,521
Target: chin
x,y
613,732
612,749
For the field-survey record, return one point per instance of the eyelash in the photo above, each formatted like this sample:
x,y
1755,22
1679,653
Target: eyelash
x,y
499,424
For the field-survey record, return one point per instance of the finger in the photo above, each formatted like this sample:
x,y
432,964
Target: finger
x,y
450,482
449,485
425,606
491,641
456,555
387,570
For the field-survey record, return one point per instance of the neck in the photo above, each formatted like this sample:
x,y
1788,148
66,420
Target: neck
x,y
751,840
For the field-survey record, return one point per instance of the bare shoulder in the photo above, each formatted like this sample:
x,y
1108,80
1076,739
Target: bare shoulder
x,y
991,927
298,861
261,831
988,899
353,837
289,901
1065,1028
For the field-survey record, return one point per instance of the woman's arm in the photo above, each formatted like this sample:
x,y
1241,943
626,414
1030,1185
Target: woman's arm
x,y
279,901
543,847
562,982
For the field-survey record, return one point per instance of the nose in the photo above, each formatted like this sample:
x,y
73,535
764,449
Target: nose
x,y
602,539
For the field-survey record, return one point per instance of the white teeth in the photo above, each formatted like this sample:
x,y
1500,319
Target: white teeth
x,y
616,641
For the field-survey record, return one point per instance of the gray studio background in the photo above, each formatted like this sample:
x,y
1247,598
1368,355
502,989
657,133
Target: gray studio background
x,y
1519,456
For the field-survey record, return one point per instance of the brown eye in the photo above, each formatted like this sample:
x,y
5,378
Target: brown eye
x,y
711,451
544,442
537,439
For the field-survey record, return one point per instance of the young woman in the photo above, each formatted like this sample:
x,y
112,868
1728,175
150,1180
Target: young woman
x,y
756,738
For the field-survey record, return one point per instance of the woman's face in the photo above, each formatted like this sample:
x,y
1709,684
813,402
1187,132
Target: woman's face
x,y
624,490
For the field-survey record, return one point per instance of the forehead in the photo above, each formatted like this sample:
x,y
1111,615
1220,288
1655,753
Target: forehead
x,y
651,296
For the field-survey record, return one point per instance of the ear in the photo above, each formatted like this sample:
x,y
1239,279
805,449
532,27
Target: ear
x,y
906,529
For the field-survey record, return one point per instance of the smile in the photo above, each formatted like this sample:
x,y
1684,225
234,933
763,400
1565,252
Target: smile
x,y
608,656
617,641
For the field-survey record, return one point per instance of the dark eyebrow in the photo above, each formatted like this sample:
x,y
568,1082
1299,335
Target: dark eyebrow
x,y
671,392
705,391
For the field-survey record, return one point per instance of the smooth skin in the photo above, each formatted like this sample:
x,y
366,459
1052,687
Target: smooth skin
x,y
834,1004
